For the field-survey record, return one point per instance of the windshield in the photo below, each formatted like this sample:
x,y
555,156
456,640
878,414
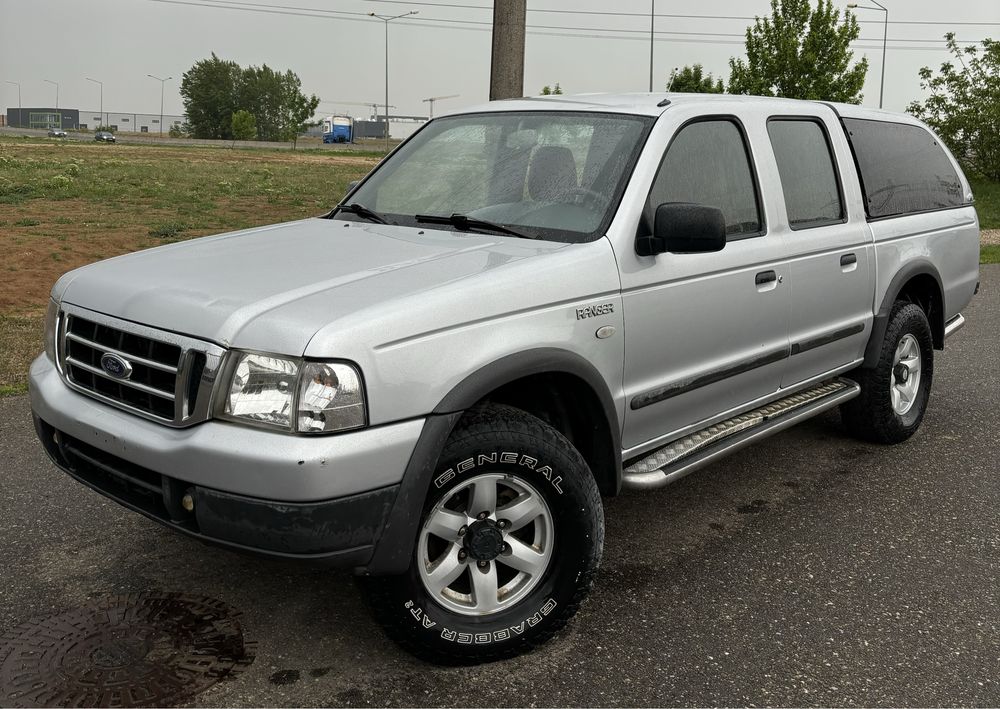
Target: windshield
x,y
551,175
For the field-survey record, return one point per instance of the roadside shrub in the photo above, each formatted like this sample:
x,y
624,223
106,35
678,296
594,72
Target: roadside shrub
x,y
169,230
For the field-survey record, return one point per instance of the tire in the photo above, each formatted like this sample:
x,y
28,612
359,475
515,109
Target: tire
x,y
535,462
877,415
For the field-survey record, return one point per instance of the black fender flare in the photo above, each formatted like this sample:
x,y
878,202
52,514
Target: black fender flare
x,y
394,547
916,267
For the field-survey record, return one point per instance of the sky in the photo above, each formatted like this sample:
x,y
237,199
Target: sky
x,y
338,51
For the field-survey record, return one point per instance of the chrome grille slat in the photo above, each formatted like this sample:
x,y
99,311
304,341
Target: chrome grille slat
x,y
172,375
131,357
123,382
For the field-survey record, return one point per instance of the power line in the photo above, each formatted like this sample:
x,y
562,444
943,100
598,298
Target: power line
x,y
543,30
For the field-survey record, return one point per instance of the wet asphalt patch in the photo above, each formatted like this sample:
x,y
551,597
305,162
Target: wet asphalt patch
x,y
142,649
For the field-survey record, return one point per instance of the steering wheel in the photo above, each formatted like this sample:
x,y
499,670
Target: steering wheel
x,y
585,197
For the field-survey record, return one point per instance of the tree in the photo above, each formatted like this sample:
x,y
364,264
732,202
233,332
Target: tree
x,y
693,80
801,53
550,91
964,105
210,90
244,126
214,90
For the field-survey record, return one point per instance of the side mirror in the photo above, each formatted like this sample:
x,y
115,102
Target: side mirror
x,y
351,185
684,228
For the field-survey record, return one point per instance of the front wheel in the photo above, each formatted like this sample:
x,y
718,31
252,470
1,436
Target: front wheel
x,y
509,542
895,392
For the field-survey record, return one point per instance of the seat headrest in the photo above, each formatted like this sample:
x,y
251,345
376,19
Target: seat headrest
x,y
551,172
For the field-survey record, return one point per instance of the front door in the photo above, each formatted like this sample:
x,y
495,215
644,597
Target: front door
x,y
704,333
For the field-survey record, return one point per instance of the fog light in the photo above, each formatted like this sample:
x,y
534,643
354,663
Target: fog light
x,y
187,502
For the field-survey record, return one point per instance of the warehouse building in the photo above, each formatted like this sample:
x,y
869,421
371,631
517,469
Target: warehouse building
x,y
71,118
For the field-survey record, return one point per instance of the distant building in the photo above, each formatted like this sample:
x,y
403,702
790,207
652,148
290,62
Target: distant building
x,y
71,118
43,118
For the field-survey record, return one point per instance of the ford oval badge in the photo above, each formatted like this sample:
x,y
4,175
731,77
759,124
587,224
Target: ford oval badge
x,y
116,366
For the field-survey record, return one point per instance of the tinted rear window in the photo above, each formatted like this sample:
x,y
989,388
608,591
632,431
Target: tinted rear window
x,y
808,177
904,169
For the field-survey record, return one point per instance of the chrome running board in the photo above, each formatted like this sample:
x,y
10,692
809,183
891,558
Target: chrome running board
x,y
675,460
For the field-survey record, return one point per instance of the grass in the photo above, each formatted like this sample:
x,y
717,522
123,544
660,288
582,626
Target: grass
x,y
989,254
987,202
66,204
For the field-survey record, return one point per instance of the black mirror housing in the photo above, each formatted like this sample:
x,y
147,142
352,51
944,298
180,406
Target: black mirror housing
x,y
684,228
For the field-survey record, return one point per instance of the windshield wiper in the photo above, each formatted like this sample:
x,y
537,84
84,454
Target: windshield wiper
x,y
362,211
464,223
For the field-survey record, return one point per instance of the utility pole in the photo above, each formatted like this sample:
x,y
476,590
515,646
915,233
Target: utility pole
x,y
162,82
103,122
56,84
507,65
20,120
885,40
387,19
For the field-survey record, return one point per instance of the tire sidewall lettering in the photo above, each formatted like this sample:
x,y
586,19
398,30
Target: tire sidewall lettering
x,y
463,638
502,457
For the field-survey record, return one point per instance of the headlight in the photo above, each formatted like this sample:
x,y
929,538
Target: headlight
x,y
330,398
51,317
292,395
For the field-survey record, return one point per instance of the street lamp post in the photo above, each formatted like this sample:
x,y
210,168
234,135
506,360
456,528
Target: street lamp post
x,y
387,19
56,84
103,122
162,82
885,39
652,17
20,119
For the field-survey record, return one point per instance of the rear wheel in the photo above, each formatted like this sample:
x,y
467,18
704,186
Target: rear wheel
x,y
895,392
509,542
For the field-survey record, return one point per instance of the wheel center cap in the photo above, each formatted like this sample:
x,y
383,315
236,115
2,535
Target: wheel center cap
x,y
902,373
484,541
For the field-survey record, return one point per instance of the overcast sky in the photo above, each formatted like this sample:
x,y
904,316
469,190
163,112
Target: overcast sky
x,y
445,49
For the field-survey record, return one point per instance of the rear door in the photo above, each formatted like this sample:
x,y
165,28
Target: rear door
x,y
827,243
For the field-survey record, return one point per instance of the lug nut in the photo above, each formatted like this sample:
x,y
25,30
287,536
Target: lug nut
x,y
483,515
462,553
483,564
462,531
501,524
505,548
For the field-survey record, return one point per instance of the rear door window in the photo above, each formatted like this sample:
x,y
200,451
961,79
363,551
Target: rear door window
x,y
904,170
808,175
708,163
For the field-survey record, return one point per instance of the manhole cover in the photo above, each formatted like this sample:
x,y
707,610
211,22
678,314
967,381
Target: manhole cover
x,y
137,650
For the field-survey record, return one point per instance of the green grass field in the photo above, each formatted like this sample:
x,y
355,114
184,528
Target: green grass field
x,y
987,202
64,204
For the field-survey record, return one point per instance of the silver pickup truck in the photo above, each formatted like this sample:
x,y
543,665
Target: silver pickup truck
x,y
525,307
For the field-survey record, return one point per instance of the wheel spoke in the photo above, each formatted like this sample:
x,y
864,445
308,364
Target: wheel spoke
x,y
483,497
484,588
523,557
521,511
446,570
894,397
445,524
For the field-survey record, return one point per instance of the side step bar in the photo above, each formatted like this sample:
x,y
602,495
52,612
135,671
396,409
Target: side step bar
x,y
675,460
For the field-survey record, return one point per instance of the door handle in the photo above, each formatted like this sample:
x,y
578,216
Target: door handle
x,y
765,277
848,259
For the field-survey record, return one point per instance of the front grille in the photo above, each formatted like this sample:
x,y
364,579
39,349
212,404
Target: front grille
x,y
153,382
171,376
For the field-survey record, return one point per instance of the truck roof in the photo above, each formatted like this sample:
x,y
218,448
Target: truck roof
x,y
648,104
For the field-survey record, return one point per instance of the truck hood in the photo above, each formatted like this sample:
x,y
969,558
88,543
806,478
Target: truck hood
x,y
272,288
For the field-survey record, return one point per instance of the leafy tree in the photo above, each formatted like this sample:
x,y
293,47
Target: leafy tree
x,y
694,80
964,105
552,91
801,53
244,126
214,90
210,90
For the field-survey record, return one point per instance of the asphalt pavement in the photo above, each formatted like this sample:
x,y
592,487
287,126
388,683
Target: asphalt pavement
x,y
810,569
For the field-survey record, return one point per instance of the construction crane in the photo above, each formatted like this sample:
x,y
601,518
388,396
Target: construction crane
x,y
374,105
432,99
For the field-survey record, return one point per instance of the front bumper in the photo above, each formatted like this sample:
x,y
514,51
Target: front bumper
x,y
324,498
